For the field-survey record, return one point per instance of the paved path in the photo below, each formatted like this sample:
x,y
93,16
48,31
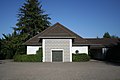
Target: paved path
x,y
92,70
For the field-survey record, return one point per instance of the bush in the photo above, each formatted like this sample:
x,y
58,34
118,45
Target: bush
x,y
80,57
29,58
26,58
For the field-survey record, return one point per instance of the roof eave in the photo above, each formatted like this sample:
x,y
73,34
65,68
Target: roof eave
x,y
57,37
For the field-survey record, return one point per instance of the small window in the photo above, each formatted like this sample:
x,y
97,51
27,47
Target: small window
x,y
77,51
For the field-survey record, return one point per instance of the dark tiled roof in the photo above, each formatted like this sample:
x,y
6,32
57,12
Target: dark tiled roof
x,y
103,42
34,41
57,31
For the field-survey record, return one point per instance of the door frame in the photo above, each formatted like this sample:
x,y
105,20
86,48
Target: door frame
x,y
58,50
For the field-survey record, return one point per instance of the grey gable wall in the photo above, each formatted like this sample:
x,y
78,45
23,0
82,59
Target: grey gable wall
x,y
62,44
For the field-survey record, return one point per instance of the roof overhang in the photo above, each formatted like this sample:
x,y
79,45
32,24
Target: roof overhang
x,y
57,37
80,44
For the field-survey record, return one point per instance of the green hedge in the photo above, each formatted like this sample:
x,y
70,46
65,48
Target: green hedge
x,y
26,58
29,58
80,57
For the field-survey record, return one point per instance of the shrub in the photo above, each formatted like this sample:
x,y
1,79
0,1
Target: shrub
x,y
80,57
29,58
26,58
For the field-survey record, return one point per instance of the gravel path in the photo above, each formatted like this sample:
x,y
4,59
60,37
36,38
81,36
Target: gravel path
x,y
92,70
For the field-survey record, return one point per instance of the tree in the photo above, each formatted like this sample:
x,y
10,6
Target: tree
x,y
31,18
11,44
7,48
106,35
114,36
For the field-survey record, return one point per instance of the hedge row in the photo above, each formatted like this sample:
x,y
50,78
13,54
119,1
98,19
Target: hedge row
x,y
80,57
29,58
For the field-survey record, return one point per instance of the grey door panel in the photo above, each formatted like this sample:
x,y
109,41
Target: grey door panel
x,y
57,55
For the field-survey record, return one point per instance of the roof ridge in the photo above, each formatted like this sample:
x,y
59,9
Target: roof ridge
x,y
70,33
68,30
52,27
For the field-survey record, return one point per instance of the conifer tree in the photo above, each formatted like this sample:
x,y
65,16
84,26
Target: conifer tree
x,y
31,18
106,35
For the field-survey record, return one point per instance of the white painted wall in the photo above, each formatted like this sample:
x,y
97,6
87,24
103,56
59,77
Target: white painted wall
x,y
81,49
32,49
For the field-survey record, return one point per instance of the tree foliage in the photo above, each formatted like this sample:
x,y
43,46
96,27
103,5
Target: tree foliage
x,y
11,44
31,20
106,35
114,36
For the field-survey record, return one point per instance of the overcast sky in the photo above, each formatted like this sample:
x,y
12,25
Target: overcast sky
x,y
88,18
